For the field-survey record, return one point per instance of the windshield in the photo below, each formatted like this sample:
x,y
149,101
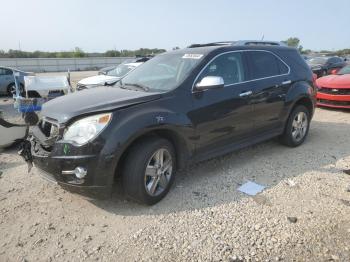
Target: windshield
x,y
318,60
121,70
344,71
163,72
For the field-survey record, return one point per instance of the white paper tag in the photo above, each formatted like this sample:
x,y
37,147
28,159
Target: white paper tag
x,y
192,56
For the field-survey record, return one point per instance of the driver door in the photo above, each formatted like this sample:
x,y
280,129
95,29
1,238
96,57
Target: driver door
x,y
222,116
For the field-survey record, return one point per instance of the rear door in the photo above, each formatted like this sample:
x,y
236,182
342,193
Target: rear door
x,y
222,116
270,80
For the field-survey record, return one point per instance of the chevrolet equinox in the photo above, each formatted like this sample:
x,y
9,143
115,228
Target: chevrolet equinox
x,y
182,106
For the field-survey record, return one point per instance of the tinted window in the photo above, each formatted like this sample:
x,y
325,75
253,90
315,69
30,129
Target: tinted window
x,y
228,66
4,71
8,72
335,60
264,64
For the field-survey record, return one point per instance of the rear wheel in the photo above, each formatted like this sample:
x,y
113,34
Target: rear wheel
x,y
297,127
149,170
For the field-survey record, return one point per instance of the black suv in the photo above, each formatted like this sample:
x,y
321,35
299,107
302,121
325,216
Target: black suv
x,y
182,106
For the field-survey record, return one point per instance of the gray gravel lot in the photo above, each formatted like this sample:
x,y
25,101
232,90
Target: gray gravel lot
x,y
303,215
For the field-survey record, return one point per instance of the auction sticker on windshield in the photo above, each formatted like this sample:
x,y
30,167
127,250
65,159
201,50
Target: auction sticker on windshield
x,y
193,56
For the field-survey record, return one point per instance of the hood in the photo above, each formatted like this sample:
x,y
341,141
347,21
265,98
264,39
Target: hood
x,y
334,81
98,80
93,100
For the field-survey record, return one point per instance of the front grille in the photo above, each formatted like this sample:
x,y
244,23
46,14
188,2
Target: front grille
x,y
50,128
335,103
334,91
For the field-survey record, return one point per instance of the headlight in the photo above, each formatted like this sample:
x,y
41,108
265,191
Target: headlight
x,y
86,129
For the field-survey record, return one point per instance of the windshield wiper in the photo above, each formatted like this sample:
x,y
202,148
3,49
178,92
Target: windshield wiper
x,y
143,87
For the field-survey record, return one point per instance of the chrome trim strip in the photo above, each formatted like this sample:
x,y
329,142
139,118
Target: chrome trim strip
x,y
236,51
287,82
248,93
68,172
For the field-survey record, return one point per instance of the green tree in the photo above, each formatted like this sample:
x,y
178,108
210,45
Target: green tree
x,y
294,42
112,53
78,52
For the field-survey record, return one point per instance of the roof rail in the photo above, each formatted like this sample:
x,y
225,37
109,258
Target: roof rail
x,y
240,43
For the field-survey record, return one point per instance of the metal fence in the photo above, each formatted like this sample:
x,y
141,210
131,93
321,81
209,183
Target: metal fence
x,y
61,64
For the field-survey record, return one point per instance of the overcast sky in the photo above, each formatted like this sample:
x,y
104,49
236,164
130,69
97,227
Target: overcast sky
x,y
55,25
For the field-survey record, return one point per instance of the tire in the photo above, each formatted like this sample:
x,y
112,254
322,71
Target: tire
x,y
12,88
297,127
141,170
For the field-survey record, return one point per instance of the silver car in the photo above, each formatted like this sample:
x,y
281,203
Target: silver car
x,y
7,80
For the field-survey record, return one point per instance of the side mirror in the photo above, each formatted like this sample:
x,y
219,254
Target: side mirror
x,y
210,82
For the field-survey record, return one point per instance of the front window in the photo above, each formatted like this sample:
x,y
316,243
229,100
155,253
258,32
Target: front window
x,y
121,70
228,66
163,72
344,71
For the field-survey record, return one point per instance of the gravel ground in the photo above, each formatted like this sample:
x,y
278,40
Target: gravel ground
x,y
303,215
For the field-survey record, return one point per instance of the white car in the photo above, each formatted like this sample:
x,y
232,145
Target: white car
x,y
110,78
47,87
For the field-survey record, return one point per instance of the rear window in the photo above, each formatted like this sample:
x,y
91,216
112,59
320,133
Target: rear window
x,y
335,60
265,64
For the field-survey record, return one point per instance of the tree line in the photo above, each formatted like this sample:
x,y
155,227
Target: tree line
x,y
295,42
78,52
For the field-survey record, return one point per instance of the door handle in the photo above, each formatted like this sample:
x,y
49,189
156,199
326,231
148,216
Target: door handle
x,y
247,93
287,82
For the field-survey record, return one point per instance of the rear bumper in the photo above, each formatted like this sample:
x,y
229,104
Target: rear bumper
x,y
334,101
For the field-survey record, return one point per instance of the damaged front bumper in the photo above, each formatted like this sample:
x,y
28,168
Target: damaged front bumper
x,y
80,169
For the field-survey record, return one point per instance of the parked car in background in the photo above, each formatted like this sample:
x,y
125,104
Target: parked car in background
x,y
322,66
105,70
334,90
7,80
111,76
181,106
47,87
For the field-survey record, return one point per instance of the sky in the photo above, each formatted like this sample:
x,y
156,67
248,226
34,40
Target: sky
x,y
97,26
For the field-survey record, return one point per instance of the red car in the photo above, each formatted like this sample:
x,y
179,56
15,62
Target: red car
x,y
334,90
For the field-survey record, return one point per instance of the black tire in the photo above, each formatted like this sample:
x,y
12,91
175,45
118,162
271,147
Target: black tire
x,y
134,170
12,87
287,137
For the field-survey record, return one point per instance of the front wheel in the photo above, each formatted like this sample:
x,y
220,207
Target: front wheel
x,y
297,127
149,170
11,89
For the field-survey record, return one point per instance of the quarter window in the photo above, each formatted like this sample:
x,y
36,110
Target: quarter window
x,y
229,66
265,64
4,71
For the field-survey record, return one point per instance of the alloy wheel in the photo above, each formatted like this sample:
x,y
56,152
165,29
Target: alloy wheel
x,y
299,126
158,172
